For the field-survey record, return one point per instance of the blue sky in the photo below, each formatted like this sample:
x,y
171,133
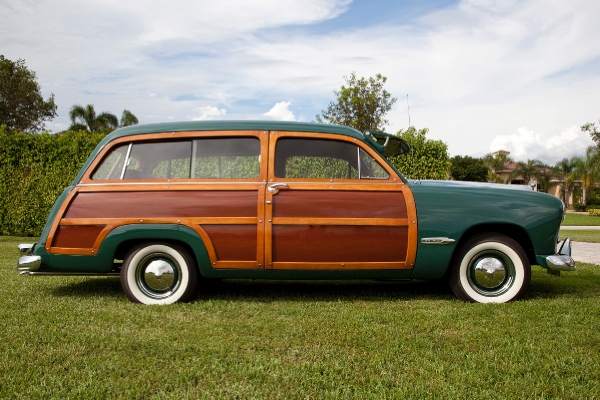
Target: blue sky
x,y
482,75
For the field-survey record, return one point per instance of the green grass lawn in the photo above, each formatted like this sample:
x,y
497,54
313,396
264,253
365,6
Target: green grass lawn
x,y
581,236
78,337
581,220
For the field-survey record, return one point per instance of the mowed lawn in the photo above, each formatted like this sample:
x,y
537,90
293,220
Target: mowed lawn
x,y
572,219
78,337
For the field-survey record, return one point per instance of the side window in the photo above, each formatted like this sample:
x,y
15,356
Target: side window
x,y
324,159
217,158
112,165
159,160
226,158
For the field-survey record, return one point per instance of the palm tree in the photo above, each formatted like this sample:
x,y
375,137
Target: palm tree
x,y
564,171
496,164
586,169
127,118
85,119
527,171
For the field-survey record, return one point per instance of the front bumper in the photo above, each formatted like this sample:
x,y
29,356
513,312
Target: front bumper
x,y
28,262
562,261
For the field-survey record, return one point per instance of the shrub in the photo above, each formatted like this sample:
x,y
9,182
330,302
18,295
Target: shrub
x,y
579,207
594,211
34,170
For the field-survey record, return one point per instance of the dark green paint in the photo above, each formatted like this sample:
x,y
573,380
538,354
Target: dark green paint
x,y
450,208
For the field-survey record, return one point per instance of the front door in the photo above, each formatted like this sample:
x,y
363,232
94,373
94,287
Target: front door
x,y
333,204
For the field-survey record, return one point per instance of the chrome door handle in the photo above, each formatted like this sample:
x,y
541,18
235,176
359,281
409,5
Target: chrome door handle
x,y
274,188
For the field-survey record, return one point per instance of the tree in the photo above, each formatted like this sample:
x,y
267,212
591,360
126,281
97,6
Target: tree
x,y
527,170
594,131
586,169
565,172
468,169
428,159
22,106
127,118
362,104
85,119
496,164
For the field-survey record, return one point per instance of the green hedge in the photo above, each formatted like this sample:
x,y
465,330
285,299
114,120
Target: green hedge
x,y
34,170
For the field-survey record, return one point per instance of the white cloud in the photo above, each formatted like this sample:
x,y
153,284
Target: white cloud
x,y
474,71
526,144
209,113
281,112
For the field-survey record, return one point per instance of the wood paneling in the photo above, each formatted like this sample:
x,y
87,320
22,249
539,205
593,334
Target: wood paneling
x,y
74,236
338,204
320,243
233,242
164,204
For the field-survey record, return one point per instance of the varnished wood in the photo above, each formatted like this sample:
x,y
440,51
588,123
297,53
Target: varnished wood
x,y
341,221
172,220
380,204
83,236
164,204
322,243
336,266
233,242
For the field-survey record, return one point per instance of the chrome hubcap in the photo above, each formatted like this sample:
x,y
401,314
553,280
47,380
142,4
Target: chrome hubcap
x,y
491,273
158,275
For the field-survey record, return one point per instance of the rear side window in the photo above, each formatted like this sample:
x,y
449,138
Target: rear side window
x,y
210,158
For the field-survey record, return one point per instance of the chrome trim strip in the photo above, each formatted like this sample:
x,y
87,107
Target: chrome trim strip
x,y
44,273
126,161
437,240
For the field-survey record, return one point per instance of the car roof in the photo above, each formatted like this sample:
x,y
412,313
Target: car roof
x,y
253,125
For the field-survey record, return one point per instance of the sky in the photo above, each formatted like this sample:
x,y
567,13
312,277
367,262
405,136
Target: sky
x,y
481,75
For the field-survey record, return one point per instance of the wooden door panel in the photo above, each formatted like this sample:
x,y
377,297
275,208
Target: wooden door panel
x,y
339,204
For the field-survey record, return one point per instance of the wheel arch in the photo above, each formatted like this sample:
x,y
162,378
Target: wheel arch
x,y
515,232
118,242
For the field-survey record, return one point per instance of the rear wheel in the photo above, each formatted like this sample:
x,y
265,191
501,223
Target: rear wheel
x,y
490,268
159,273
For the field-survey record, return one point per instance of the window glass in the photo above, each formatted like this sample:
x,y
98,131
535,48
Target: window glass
x,y
324,159
370,169
226,158
237,157
112,165
159,160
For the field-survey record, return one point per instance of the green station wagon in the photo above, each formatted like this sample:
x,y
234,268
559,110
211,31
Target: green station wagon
x,y
166,205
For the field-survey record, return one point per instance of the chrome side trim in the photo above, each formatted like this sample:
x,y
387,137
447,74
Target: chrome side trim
x,y
29,263
437,240
43,273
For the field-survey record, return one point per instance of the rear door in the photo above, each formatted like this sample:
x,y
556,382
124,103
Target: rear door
x,y
332,204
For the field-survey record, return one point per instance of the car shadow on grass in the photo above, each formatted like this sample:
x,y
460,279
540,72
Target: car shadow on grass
x,y
268,291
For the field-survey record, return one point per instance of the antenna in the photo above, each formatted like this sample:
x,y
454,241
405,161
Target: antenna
x,y
412,150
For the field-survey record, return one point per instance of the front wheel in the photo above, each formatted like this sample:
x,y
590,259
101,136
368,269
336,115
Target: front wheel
x,y
159,273
490,268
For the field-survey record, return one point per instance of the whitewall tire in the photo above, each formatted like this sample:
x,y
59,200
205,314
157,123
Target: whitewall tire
x,y
159,273
490,268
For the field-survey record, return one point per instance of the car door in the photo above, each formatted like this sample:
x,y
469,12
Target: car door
x,y
332,204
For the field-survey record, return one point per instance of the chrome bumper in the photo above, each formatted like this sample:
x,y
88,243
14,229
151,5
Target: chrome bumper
x,y
28,262
562,261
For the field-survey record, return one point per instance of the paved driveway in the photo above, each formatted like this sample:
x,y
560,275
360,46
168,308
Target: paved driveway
x,y
586,252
